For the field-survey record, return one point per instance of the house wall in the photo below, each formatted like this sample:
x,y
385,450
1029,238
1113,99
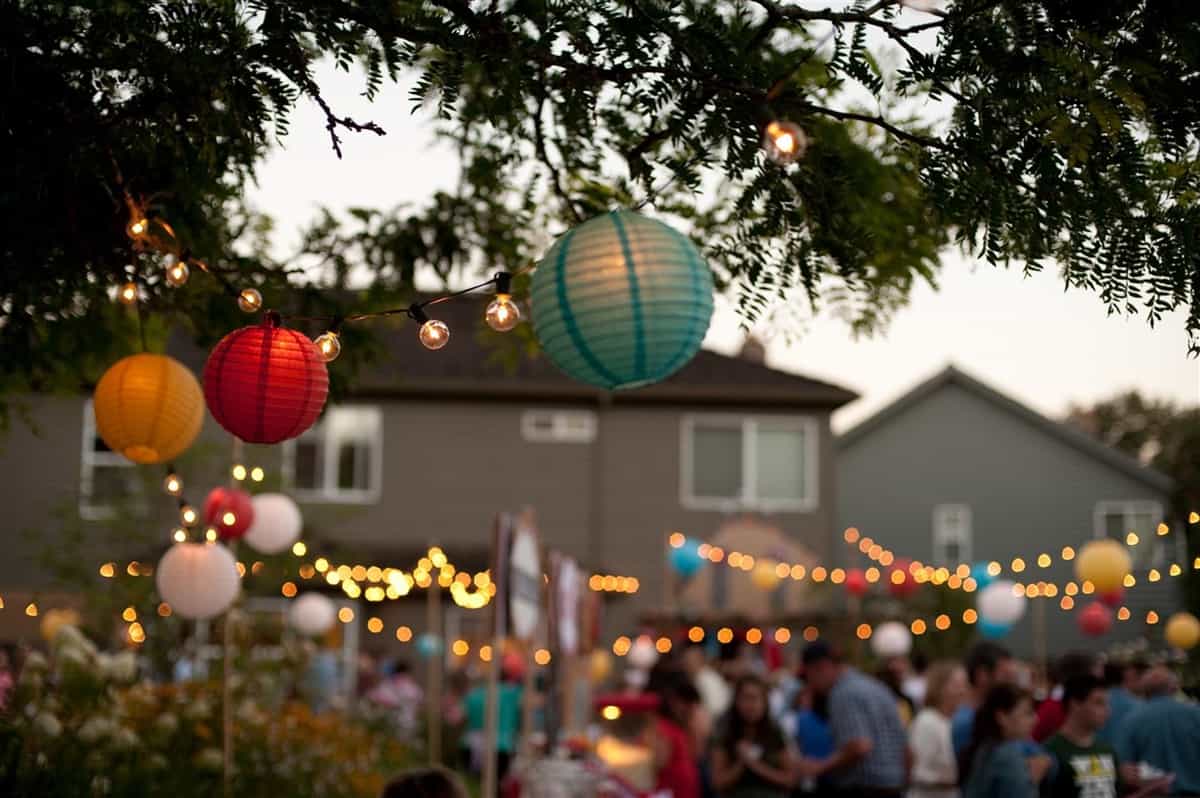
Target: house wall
x,y
1029,492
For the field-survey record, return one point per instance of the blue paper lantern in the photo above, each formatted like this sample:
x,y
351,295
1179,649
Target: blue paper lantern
x,y
993,631
621,301
979,572
429,645
686,559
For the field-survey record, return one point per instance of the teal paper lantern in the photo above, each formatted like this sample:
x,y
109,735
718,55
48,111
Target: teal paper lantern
x,y
621,301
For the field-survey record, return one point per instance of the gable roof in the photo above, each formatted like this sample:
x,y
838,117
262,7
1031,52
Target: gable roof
x,y
1080,441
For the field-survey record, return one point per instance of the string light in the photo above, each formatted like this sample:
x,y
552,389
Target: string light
x,y
330,345
177,270
172,484
179,535
136,633
257,474
138,227
239,472
434,334
403,634
784,142
250,300
108,570
187,514
128,294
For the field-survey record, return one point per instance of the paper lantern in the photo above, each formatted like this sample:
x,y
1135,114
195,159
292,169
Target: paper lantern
x,y
1105,563
643,654
891,639
198,580
599,666
55,619
686,559
1095,619
266,383
621,301
148,408
429,645
230,511
277,523
1113,598
979,572
513,665
991,630
312,614
856,582
904,585
999,604
764,576
1183,630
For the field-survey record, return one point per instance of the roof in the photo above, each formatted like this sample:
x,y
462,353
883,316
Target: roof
x,y
472,366
1080,441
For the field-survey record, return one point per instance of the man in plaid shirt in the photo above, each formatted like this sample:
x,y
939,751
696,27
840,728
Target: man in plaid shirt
x,y
870,759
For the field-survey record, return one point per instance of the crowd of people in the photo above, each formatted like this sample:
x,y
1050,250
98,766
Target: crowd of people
x,y
974,728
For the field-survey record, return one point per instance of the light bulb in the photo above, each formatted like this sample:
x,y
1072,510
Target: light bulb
x,y
177,270
187,514
249,299
138,227
434,334
785,142
503,314
128,293
239,472
330,345
180,535
173,485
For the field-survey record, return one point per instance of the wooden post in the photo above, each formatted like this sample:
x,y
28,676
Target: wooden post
x,y
491,721
433,693
1039,633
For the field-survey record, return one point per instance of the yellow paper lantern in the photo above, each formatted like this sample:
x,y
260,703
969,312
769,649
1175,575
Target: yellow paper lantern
x,y
1104,563
1183,630
764,576
56,619
149,408
599,666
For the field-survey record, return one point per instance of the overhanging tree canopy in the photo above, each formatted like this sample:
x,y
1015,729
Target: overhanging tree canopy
x,y
1035,133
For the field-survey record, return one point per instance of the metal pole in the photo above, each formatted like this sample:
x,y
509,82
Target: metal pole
x,y
491,722
433,701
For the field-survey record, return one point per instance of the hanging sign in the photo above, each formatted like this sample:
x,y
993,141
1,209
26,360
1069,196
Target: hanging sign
x,y
525,581
566,581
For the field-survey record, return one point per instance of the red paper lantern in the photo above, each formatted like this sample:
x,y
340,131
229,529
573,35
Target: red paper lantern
x,y
1113,598
229,511
265,384
1095,619
903,585
856,582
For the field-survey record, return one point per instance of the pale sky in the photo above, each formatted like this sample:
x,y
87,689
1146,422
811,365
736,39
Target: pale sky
x,y
1024,336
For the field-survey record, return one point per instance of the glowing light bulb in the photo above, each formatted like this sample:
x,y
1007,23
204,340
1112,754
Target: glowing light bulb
x,y
785,142
188,514
434,334
503,314
257,474
239,472
173,485
138,227
180,535
177,271
330,345
128,293
210,535
249,299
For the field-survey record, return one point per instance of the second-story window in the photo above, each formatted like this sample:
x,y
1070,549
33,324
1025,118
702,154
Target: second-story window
x,y
109,484
339,459
951,534
1121,519
764,463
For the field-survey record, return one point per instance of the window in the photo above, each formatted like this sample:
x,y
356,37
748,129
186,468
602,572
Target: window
x,y
765,463
951,534
1117,519
558,426
339,459
108,482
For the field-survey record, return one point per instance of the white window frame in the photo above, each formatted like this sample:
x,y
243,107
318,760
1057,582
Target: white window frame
x,y
331,494
943,534
748,424
561,428
89,458
1147,537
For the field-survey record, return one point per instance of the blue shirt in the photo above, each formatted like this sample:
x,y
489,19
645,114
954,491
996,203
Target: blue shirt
x,y
813,735
1000,771
1165,733
1120,703
960,728
862,707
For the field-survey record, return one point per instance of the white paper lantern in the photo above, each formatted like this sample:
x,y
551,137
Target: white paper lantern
x,y
198,580
891,639
276,524
312,614
643,655
999,603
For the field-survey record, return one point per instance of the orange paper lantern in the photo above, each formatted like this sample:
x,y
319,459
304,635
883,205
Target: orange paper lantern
x,y
265,383
1183,630
148,408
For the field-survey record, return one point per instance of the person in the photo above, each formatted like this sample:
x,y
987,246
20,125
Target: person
x,y
1087,766
1124,681
751,758
425,783
1163,733
400,694
813,736
870,747
678,771
892,675
993,764
508,717
988,664
1071,665
915,682
934,767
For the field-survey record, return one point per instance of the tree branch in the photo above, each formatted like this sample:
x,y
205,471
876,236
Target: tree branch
x,y
880,122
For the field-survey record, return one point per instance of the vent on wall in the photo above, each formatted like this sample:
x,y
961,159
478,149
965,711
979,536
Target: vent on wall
x,y
558,426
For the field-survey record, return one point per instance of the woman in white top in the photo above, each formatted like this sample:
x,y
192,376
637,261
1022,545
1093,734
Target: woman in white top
x,y
934,769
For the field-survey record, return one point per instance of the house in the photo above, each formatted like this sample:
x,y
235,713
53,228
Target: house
x,y
956,472
426,447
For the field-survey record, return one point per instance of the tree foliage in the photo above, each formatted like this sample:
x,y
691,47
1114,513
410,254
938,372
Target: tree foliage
x,y
1031,133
